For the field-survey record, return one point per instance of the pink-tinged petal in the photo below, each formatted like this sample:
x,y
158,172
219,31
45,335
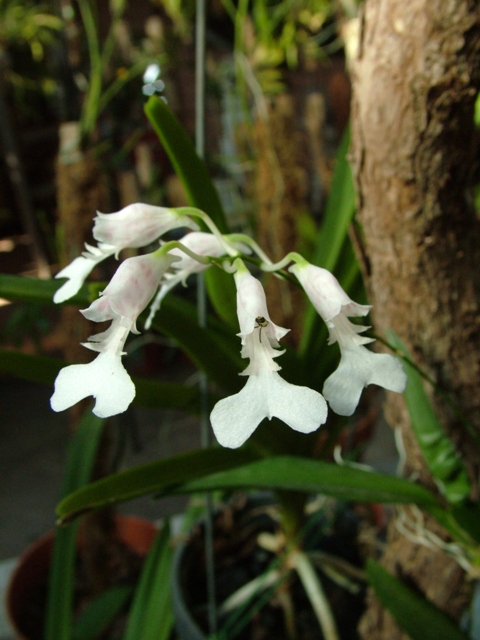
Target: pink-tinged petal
x,y
130,290
137,225
104,378
358,368
325,293
266,395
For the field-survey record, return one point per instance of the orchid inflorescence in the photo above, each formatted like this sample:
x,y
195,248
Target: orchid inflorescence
x,y
143,278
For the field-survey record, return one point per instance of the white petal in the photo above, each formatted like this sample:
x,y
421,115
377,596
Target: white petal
x,y
358,368
326,293
104,378
137,225
303,409
252,304
235,418
76,272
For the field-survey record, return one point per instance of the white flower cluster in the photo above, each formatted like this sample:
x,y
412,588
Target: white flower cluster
x,y
265,393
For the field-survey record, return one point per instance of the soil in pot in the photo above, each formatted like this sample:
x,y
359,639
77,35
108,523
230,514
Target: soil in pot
x,y
239,559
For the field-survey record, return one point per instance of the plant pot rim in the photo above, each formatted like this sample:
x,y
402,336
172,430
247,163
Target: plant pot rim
x,y
137,533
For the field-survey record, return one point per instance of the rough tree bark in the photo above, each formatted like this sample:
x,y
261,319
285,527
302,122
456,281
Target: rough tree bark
x,y
415,81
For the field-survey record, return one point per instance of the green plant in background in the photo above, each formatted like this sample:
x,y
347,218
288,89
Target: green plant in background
x,y
270,36
274,458
100,93
27,23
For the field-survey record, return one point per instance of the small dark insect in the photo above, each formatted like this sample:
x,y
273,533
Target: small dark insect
x,y
261,322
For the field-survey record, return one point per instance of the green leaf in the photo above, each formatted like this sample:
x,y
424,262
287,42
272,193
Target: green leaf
x,y
445,464
462,522
214,349
338,212
217,469
167,395
418,617
301,474
80,459
222,294
188,166
201,193
36,290
151,478
151,616
101,612
30,367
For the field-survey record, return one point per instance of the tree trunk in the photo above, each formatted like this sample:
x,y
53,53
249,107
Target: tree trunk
x,y
415,81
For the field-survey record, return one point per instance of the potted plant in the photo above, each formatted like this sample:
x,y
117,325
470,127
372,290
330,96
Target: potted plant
x,y
286,455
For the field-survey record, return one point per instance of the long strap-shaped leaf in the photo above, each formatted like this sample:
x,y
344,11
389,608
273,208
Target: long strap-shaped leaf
x,y
445,464
414,614
151,615
80,460
188,165
201,193
216,469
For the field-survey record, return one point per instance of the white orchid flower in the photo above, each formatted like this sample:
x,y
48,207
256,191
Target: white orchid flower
x,y
126,296
265,394
201,243
358,366
136,225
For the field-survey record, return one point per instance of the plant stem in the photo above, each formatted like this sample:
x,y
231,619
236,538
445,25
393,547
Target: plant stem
x,y
315,593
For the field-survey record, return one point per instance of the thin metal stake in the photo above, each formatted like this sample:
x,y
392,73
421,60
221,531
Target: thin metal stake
x,y
202,309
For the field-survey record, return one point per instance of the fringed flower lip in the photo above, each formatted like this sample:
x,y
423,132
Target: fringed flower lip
x,y
358,366
266,394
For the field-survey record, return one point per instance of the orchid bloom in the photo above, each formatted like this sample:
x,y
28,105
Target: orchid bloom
x,y
126,296
265,394
204,244
133,226
201,243
358,366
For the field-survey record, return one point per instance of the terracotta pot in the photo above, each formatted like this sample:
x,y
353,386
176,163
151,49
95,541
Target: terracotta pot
x,y
28,578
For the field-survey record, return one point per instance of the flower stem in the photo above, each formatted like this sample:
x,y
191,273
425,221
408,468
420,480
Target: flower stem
x,y
242,237
174,244
293,256
198,213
